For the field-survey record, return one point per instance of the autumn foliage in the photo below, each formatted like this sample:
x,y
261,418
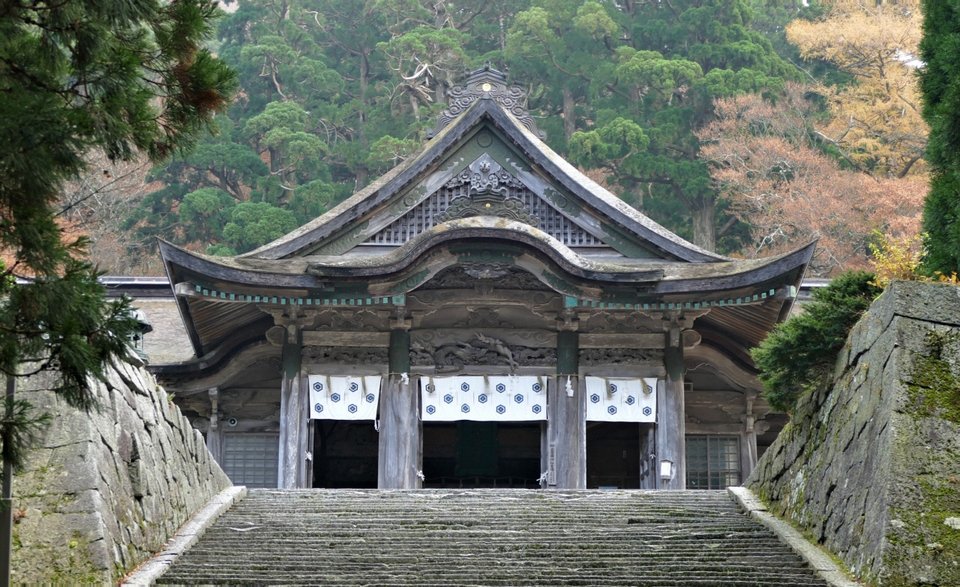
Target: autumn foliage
x,y
875,119
766,161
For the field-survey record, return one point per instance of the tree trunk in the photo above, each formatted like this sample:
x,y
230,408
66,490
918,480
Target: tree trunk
x,y
361,173
414,106
364,82
569,114
704,227
276,162
364,73
503,32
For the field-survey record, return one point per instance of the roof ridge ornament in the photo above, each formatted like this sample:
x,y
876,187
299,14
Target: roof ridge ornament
x,y
486,83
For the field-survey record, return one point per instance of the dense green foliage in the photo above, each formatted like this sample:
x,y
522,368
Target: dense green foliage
x,y
940,84
122,78
336,93
799,354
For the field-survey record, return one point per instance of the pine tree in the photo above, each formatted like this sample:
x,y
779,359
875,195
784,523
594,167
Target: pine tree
x,y
940,84
126,79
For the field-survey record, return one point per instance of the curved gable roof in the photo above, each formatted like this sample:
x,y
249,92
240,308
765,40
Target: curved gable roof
x,y
350,216
220,296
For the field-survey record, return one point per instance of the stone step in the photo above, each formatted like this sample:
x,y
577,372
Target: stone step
x,y
488,537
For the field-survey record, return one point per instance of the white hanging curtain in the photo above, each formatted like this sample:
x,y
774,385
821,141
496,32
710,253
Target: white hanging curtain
x,y
344,397
483,398
617,399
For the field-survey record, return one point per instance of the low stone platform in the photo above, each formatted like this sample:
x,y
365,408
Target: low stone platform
x,y
489,537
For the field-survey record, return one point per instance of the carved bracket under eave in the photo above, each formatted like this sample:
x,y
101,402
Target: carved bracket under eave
x,y
287,322
680,319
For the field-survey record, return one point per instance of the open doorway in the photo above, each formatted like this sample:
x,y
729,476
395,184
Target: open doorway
x,y
618,454
481,454
345,454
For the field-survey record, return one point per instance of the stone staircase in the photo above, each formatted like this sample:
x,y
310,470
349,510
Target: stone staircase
x,y
489,537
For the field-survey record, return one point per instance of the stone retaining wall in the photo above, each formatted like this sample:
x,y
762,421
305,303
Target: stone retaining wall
x,y
106,489
871,468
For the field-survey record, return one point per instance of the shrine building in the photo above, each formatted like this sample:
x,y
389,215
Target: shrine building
x,y
483,315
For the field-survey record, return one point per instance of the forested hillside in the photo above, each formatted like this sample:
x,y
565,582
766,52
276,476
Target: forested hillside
x,y
746,126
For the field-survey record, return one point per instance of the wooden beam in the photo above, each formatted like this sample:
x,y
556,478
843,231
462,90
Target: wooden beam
x,y
429,298
340,338
623,341
690,338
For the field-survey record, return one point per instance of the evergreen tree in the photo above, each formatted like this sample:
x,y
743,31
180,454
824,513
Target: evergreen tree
x,y
940,85
560,47
337,92
334,93
799,355
673,59
123,78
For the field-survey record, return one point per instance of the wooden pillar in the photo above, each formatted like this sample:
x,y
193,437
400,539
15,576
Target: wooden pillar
x,y
671,428
566,430
293,415
648,457
399,454
214,430
748,439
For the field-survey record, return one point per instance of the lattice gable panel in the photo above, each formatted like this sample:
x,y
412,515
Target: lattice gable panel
x,y
484,187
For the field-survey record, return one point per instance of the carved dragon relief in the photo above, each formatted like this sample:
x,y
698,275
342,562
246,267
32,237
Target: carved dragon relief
x,y
486,270
479,350
600,357
434,338
348,355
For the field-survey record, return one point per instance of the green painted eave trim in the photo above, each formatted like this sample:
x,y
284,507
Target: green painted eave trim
x,y
571,302
334,299
747,300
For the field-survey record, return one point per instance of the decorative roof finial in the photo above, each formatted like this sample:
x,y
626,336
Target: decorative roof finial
x,y
486,83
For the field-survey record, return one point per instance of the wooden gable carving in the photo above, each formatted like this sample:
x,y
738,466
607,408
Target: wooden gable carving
x,y
484,188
